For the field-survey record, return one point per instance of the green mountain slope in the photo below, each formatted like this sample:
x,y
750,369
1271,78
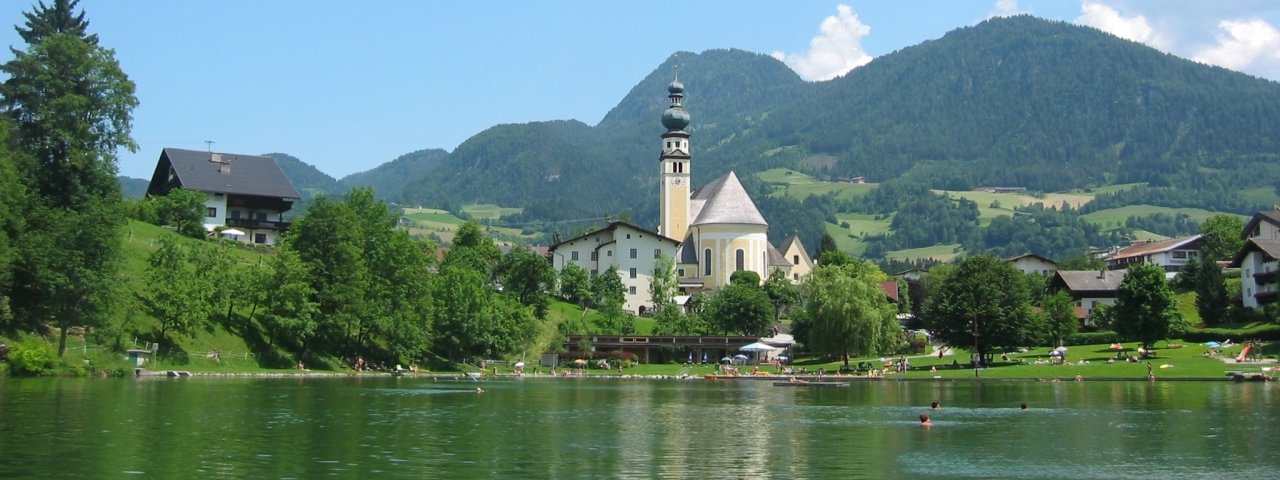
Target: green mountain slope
x,y
1010,102
389,179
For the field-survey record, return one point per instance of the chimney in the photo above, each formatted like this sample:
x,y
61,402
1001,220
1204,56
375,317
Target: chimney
x,y
1102,273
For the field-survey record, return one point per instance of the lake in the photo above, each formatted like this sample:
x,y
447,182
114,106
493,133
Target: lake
x,y
614,428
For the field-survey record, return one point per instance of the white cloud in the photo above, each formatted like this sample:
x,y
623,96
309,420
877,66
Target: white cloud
x,y
1107,19
834,51
1005,8
1245,45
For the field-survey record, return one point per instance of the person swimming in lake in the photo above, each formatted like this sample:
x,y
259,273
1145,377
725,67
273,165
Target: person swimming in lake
x,y
1024,405
935,405
925,421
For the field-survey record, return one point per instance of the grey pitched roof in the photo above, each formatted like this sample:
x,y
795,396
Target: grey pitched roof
x,y
776,258
687,255
1151,248
1272,217
236,174
1091,280
1268,246
725,201
613,227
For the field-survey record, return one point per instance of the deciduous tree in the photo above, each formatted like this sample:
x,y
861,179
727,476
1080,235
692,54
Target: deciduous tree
x,y
1144,308
846,312
983,303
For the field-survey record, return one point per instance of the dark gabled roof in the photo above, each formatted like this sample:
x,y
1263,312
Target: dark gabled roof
x,y
234,174
614,226
1029,255
1269,247
1090,280
1272,217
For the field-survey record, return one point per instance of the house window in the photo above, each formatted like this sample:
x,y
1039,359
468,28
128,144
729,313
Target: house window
x,y
235,214
632,272
633,253
610,254
594,272
595,256
262,216
680,272
631,290
628,236
739,259
260,238
573,255
657,253
795,259
211,212
1179,254
706,262
795,276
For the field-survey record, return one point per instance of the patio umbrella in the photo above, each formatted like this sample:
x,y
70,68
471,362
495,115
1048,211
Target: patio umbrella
x,y
726,360
1060,349
580,362
758,347
232,231
519,364
739,358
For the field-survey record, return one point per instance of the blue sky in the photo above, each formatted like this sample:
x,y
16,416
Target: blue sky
x,y
349,85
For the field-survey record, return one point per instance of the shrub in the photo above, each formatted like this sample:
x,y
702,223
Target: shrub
x,y
32,359
1092,338
1261,332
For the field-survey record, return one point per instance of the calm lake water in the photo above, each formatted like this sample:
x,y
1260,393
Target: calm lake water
x,y
585,428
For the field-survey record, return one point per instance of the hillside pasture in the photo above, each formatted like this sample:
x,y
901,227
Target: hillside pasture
x,y
844,241
942,253
1112,218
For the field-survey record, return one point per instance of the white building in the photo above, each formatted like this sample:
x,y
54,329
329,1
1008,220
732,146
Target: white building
x,y
708,233
631,249
246,193
1257,260
1032,263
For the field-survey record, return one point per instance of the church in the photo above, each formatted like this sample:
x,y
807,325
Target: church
x,y
709,233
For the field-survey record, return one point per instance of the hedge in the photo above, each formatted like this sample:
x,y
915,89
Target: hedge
x,y
1261,332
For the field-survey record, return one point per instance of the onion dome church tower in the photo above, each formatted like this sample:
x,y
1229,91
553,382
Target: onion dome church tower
x,y
673,208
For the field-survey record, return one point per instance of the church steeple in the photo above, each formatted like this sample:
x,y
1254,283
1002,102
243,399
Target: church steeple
x,y
673,208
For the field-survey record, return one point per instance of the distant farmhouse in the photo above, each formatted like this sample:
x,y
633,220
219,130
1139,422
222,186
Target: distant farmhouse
x,y
1257,260
1171,254
245,195
708,233
1088,289
1032,263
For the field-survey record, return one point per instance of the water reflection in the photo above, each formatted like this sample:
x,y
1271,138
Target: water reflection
x,y
411,428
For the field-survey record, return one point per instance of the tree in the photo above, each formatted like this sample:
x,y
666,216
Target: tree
x,y
12,197
1212,299
826,244
1144,310
740,308
528,276
575,284
745,277
328,241
47,21
183,209
846,312
290,309
607,288
177,294
782,294
1059,317
1221,237
983,302
663,287
72,109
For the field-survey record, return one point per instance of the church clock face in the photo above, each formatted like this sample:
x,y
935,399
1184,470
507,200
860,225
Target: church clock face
x,y
678,181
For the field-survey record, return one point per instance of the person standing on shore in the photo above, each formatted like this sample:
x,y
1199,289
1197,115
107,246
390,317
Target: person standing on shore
x,y
1151,374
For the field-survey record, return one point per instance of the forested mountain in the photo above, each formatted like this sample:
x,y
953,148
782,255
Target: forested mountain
x,y
389,179
309,180
133,188
1018,101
